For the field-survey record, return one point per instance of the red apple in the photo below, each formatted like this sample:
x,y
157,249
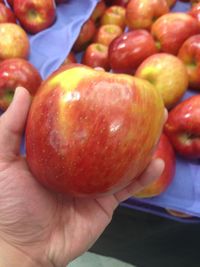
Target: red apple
x,y
14,41
35,15
140,14
114,15
85,36
195,12
98,11
17,72
70,59
87,134
168,74
172,29
127,51
107,33
189,53
96,55
166,152
6,15
183,127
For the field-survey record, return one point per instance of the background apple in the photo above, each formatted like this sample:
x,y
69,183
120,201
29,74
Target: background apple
x,y
172,29
6,15
183,127
70,59
17,72
107,33
96,55
166,152
127,51
195,12
95,130
14,41
189,53
114,15
168,74
98,11
35,15
140,14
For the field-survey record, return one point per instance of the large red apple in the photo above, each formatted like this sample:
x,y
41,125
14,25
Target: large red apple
x,y
107,33
14,41
35,15
127,51
140,14
172,29
114,15
90,133
6,15
96,55
166,152
183,127
17,72
189,53
168,74
85,36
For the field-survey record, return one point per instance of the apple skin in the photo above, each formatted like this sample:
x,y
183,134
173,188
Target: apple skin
x,y
35,15
95,133
183,127
195,11
127,51
189,53
70,58
96,55
107,33
87,32
14,41
6,15
98,11
168,74
166,152
172,29
114,15
140,14
17,72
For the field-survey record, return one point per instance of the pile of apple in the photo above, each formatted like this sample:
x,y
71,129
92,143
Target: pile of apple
x,y
143,38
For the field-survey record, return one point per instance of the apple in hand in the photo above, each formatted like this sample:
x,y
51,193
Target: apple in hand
x,y
183,127
85,36
127,51
96,55
90,133
107,33
35,15
14,41
189,53
6,15
168,74
98,11
114,15
172,29
166,152
140,14
17,72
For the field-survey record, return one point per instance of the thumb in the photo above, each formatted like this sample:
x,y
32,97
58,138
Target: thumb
x,y
12,123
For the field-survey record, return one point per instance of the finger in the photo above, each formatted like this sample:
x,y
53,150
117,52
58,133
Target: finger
x,y
153,171
12,123
166,115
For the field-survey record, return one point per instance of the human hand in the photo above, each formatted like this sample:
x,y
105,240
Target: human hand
x,y
48,229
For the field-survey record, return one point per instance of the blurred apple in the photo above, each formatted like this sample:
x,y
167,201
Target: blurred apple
x,y
98,11
70,59
195,12
183,127
14,41
96,55
35,15
90,133
140,14
166,152
168,74
107,33
114,15
127,51
172,29
85,36
6,15
171,3
189,53
17,72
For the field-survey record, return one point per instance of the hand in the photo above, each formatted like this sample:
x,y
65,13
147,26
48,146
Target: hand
x,y
48,228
